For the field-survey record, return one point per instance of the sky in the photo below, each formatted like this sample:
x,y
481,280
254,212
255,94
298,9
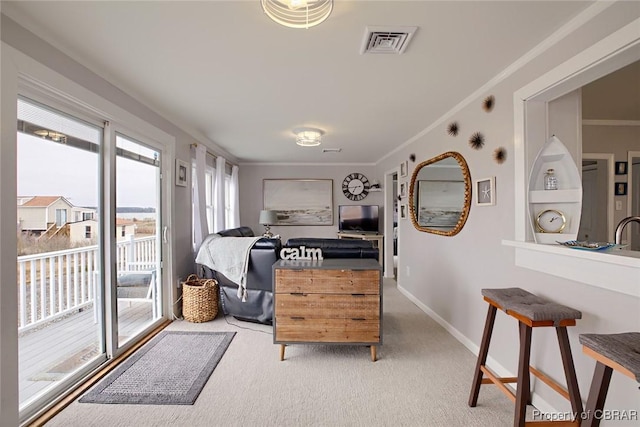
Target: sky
x,y
46,168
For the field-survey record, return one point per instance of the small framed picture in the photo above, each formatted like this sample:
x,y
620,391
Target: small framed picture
x,y
404,168
621,188
182,169
403,189
485,190
403,211
621,168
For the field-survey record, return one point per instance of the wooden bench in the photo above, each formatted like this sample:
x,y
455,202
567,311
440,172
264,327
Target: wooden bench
x,y
620,352
531,312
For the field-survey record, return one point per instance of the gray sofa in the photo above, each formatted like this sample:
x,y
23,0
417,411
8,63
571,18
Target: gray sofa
x,y
259,304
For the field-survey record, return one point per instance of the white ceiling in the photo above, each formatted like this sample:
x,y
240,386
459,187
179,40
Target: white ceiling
x,y
225,70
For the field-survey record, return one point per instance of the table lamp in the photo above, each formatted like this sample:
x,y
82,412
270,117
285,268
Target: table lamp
x,y
267,218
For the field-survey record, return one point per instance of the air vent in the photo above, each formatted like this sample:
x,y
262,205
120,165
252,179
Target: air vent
x,y
386,39
331,150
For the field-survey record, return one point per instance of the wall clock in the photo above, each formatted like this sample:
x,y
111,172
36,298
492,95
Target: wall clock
x,y
550,221
355,186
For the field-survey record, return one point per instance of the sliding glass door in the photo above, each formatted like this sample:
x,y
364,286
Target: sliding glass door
x,y
60,328
138,187
89,246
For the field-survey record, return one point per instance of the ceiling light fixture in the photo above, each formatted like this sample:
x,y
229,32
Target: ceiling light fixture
x,y
297,13
308,137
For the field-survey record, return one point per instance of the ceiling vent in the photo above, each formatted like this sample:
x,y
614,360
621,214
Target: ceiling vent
x,y
386,39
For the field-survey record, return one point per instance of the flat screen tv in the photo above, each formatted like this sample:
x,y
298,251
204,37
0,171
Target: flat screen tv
x,y
362,218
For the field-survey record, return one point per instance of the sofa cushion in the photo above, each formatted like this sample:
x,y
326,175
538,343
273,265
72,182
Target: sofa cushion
x,y
237,232
336,248
325,243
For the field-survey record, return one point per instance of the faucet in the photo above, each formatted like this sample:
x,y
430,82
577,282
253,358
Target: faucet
x,y
623,223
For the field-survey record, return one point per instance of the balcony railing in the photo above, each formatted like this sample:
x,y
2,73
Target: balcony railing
x,y
53,284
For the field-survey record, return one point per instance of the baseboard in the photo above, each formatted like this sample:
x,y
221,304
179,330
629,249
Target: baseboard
x,y
537,401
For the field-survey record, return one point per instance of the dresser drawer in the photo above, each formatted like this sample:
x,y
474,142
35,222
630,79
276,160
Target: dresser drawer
x,y
327,330
327,306
327,281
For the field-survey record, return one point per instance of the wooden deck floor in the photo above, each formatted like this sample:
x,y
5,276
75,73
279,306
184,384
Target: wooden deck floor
x,y
50,353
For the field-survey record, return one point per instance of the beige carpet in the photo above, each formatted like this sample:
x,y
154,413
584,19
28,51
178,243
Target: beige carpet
x,y
422,378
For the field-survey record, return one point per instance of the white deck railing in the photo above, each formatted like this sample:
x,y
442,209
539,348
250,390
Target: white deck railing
x,y
52,284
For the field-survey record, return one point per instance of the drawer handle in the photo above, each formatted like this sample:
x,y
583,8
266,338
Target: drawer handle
x,y
357,295
297,317
358,318
299,294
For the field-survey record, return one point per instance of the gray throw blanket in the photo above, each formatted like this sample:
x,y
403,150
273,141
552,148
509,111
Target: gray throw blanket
x,y
229,256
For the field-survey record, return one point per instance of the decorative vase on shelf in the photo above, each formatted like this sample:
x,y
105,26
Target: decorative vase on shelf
x,y
550,180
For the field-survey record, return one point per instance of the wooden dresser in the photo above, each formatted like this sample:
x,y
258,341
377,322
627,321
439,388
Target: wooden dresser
x,y
333,301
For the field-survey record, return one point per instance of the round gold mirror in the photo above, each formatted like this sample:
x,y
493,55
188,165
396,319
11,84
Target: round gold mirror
x,y
440,194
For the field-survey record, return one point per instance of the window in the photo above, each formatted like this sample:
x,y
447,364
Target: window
x,y
87,232
209,176
210,199
228,206
61,217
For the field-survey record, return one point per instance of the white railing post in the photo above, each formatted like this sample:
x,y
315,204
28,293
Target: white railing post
x,y
23,293
52,286
131,250
32,287
43,288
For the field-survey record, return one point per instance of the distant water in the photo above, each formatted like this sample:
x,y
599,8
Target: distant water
x,y
136,215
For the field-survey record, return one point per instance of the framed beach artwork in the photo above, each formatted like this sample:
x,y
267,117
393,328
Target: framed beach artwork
x,y
299,201
486,191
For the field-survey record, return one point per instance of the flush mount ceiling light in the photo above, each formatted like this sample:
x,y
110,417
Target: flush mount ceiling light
x,y
297,13
308,137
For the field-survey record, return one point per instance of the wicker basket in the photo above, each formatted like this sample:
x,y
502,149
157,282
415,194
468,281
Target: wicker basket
x,y
199,299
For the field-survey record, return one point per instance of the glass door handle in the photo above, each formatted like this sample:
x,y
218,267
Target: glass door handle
x,y
164,234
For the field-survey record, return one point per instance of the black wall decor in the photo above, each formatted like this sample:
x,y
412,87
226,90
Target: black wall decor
x,y
453,129
500,155
621,168
476,141
488,103
621,188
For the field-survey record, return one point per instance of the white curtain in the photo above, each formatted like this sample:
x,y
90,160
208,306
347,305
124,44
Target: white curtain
x,y
200,227
218,195
234,197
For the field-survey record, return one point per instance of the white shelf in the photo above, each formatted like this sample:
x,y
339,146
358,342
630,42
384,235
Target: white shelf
x,y
555,196
551,238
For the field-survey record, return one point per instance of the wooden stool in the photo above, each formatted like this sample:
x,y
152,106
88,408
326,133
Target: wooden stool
x,y
531,312
615,351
